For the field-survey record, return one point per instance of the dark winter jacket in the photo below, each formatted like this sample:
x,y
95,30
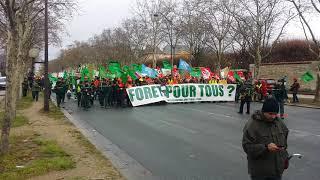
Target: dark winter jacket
x,y
295,87
257,134
246,92
36,87
59,89
280,93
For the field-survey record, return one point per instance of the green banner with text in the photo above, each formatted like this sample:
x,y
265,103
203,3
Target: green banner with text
x,y
148,94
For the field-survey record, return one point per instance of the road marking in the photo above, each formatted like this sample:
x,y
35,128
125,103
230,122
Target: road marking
x,y
172,124
210,113
178,126
303,133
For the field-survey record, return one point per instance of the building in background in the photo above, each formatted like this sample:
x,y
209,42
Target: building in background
x,y
290,70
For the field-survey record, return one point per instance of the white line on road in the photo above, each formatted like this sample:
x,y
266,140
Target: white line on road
x,y
303,133
178,126
174,125
210,113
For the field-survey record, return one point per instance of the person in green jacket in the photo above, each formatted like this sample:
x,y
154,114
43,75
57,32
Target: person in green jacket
x,y
265,143
35,90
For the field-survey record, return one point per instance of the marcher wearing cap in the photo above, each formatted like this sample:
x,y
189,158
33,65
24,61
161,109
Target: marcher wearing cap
x,y
295,88
265,143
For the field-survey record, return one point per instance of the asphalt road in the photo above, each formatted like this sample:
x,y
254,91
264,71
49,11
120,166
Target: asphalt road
x,y
200,140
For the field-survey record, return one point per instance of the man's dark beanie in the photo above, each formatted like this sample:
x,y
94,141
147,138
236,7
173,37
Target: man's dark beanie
x,y
270,105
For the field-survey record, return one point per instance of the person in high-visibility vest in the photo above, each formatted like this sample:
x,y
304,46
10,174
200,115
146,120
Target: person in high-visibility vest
x,y
78,91
223,81
213,81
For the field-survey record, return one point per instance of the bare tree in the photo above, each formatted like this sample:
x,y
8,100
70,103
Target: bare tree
x,y
145,12
137,37
261,23
192,31
303,7
22,21
218,26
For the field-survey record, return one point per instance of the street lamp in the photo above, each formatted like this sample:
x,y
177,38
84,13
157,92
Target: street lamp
x,y
170,36
33,54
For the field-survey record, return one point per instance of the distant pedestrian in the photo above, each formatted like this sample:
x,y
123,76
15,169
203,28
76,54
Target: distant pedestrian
x,y
25,87
69,93
246,92
295,88
35,90
280,94
265,143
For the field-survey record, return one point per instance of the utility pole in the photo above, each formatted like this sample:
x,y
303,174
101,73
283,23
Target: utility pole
x,y
46,61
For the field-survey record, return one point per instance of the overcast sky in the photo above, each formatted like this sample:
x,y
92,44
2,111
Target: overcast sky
x,y
96,15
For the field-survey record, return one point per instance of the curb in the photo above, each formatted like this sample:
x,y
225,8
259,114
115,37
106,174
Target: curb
x,y
303,106
128,167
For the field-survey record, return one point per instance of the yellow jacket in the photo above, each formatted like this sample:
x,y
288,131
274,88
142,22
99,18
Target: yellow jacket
x,y
213,81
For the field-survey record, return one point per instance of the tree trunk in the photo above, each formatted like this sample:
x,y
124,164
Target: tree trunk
x,y
258,60
11,90
219,54
154,60
317,96
191,53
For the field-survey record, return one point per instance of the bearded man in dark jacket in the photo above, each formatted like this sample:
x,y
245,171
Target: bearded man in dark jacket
x,y
265,143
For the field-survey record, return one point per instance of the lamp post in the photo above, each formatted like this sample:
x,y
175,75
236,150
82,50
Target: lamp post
x,y
46,57
33,54
170,37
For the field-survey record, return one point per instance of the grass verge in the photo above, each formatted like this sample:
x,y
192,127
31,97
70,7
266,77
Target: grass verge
x,y
86,143
31,156
24,102
54,113
19,121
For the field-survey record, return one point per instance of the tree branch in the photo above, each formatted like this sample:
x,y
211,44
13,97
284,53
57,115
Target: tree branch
x,y
315,6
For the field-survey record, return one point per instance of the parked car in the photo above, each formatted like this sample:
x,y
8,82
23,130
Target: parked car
x,y
270,83
2,83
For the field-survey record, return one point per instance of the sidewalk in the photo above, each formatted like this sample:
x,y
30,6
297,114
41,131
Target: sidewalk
x,y
303,105
302,96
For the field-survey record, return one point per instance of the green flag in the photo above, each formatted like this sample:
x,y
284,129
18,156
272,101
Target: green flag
x,y
166,65
84,73
110,75
115,68
102,72
72,77
65,75
132,74
136,67
196,72
307,77
126,69
52,78
236,76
